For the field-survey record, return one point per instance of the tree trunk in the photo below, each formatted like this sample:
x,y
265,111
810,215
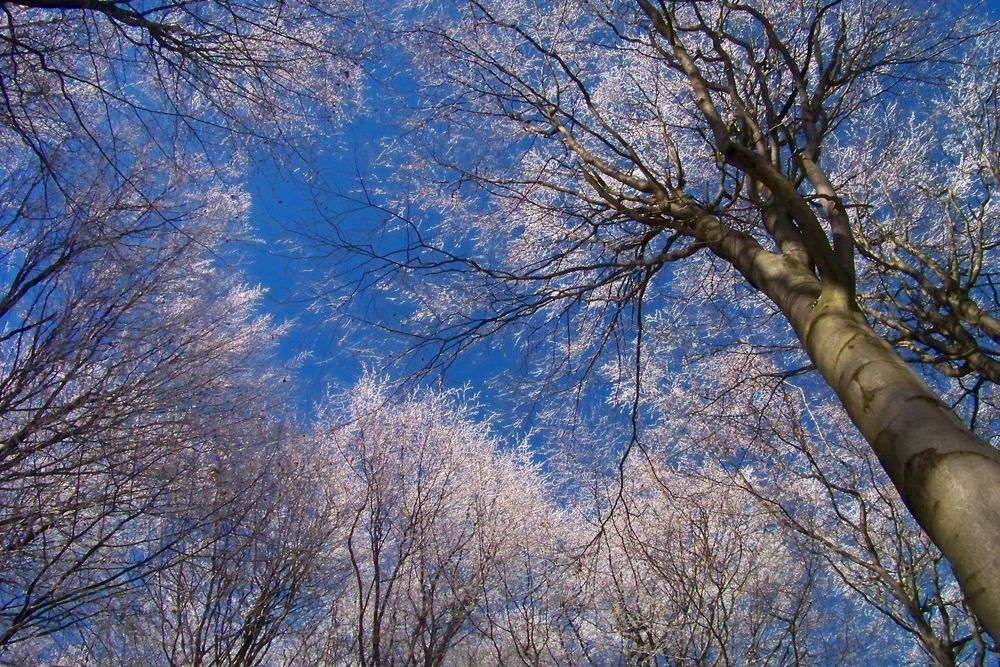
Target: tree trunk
x,y
947,476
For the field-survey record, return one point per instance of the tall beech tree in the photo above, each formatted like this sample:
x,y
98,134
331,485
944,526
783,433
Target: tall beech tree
x,y
582,168
128,364
132,357
432,516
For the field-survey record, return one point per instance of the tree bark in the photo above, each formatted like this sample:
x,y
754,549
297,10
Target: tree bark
x,y
948,477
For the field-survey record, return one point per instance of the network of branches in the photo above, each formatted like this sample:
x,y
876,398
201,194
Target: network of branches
x,y
724,273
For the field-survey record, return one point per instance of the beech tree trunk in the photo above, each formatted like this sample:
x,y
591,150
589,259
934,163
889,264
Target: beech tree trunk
x,y
948,477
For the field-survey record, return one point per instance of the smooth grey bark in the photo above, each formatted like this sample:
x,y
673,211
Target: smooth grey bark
x,y
948,477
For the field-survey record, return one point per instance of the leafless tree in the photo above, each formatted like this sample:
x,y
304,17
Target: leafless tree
x,y
131,356
595,166
252,580
124,77
834,494
433,514
128,362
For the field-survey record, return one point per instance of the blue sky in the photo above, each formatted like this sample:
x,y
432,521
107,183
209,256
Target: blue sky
x,y
291,198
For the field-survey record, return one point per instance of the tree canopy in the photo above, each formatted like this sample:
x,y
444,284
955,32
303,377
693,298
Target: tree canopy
x,y
741,255
569,157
